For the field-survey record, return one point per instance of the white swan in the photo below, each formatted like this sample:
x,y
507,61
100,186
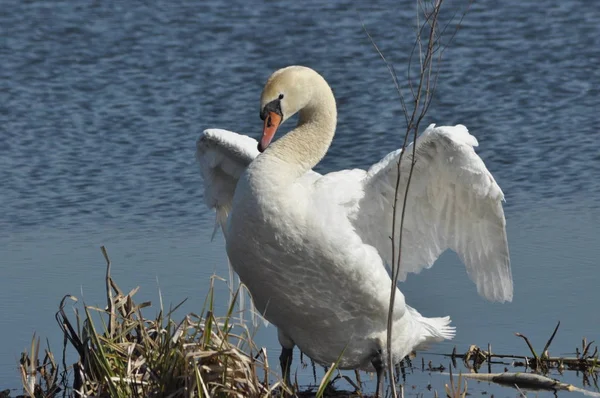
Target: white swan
x,y
312,248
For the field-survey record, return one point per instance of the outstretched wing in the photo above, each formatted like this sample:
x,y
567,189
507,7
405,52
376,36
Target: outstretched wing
x,y
223,156
453,202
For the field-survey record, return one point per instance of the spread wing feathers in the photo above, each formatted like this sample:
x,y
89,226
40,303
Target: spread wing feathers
x,y
453,202
223,156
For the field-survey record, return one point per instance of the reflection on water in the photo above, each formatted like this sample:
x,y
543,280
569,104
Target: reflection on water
x,y
102,103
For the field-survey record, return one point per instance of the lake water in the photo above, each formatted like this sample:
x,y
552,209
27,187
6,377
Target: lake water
x,y
101,103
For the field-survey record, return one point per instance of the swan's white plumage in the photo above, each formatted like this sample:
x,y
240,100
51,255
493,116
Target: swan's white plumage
x,y
453,203
312,249
223,157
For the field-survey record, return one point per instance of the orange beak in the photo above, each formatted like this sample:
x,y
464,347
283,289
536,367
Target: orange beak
x,y
272,122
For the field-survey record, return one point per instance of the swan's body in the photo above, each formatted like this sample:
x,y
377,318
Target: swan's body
x,y
312,248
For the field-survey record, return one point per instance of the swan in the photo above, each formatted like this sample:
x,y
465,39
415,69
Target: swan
x,y
312,249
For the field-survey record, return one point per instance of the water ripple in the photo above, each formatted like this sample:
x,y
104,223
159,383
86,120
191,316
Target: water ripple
x,y
102,101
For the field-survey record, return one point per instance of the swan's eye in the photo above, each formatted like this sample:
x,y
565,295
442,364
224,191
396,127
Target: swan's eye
x,y
272,107
280,96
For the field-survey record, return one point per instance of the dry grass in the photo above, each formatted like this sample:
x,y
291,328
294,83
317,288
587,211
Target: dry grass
x,y
121,353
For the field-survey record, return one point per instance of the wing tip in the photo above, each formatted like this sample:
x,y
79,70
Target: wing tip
x,y
231,139
498,292
458,133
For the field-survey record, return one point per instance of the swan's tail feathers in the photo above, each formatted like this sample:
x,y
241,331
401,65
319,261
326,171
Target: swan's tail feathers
x,y
439,328
435,329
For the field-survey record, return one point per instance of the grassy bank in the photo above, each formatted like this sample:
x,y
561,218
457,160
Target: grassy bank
x,y
122,353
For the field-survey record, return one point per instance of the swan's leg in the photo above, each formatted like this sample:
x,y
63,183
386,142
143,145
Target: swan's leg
x,y
285,359
377,363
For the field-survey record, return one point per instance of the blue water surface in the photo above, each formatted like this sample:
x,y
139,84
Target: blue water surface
x,y
101,103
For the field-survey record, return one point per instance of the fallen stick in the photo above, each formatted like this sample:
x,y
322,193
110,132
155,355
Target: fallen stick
x,y
527,380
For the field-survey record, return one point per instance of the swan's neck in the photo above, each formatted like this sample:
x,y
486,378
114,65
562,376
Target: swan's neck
x,y
303,148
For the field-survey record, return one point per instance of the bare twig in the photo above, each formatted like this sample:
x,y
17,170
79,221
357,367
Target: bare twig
x,y
414,127
394,76
535,356
422,96
109,293
545,350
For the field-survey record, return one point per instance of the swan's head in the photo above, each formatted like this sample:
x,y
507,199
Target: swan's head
x,y
287,91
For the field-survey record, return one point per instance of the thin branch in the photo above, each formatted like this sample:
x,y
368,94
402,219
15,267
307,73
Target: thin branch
x,y
545,350
444,48
391,70
417,44
396,261
430,57
109,293
535,356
